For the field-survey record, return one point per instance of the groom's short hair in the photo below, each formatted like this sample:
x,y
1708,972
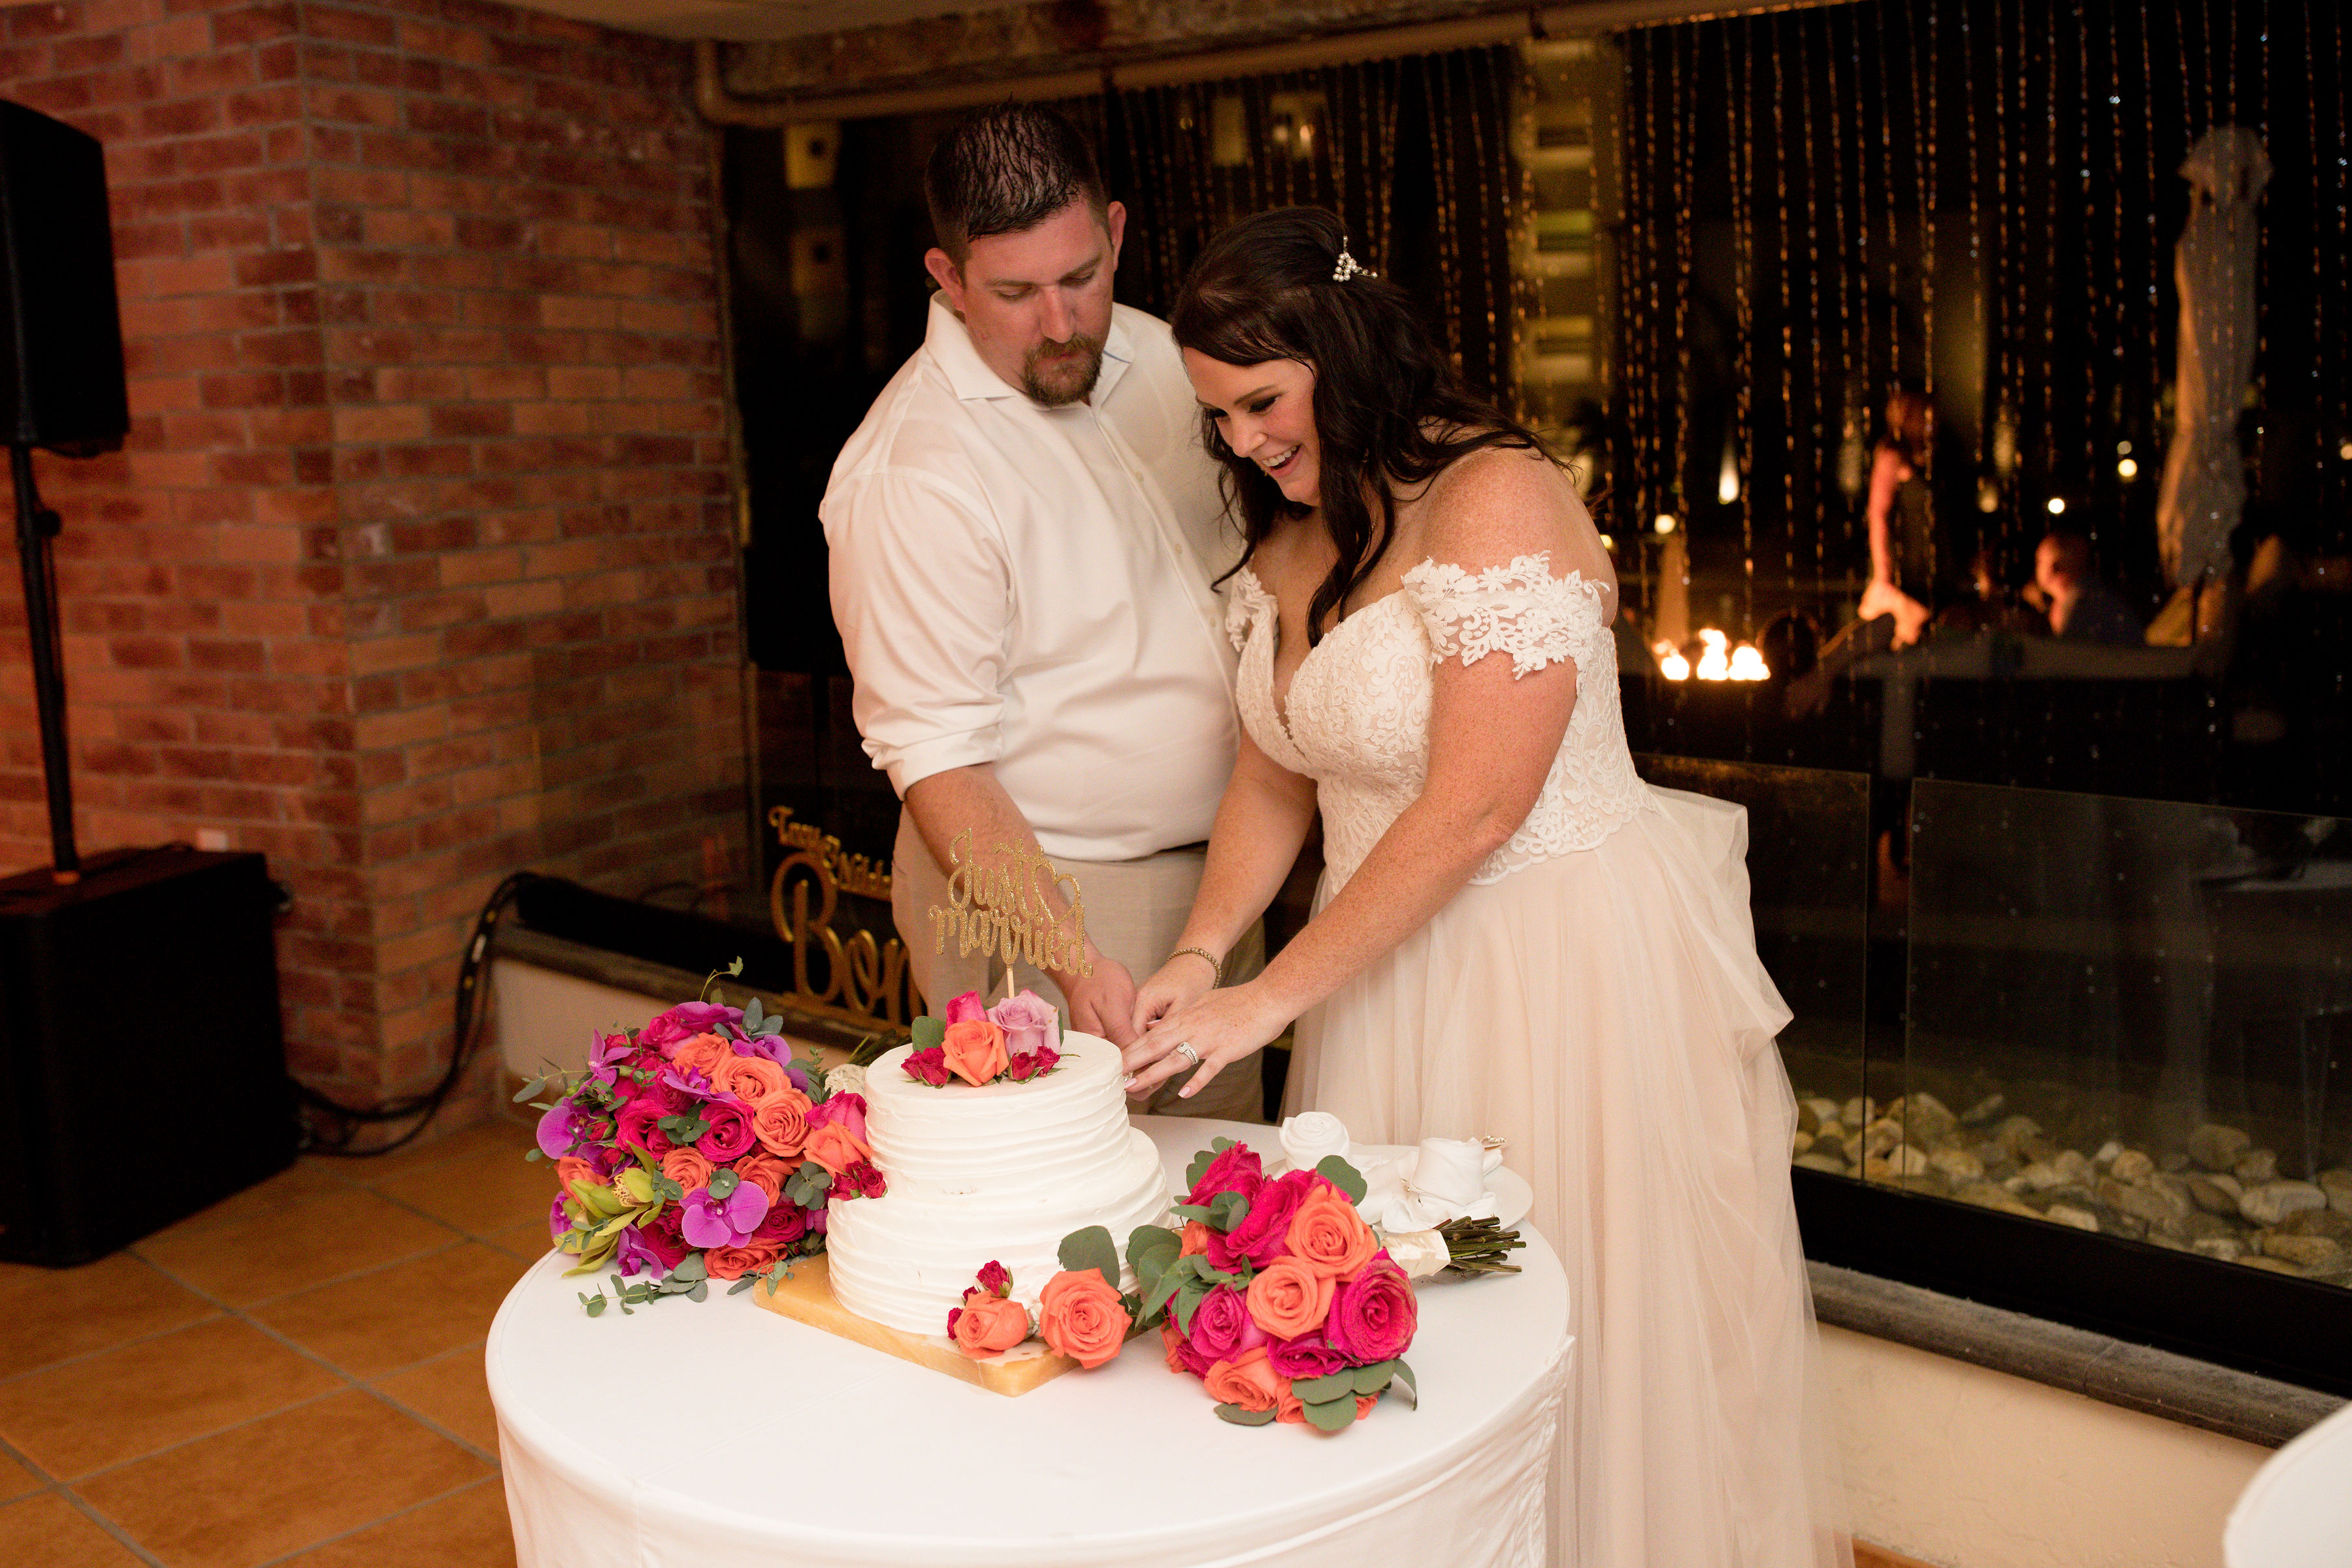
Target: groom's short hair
x,y
1004,170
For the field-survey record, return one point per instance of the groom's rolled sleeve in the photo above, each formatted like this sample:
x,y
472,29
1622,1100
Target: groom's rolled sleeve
x,y
922,595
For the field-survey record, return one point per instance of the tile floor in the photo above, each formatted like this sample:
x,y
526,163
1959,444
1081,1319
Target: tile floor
x,y
293,1376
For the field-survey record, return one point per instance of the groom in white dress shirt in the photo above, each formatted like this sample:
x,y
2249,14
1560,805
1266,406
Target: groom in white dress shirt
x,y
1023,534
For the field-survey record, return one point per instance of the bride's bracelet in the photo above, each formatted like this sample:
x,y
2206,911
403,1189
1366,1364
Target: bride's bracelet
x,y
1216,966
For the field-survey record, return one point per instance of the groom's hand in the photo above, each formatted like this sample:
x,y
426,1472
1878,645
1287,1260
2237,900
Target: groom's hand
x,y
1102,1002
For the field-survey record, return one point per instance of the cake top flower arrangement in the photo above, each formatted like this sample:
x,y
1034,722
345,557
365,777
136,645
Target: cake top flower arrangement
x,y
1013,1041
1275,1294
698,1148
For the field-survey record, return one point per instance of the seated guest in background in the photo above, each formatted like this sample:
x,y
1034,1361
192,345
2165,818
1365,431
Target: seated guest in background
x,y
2082,608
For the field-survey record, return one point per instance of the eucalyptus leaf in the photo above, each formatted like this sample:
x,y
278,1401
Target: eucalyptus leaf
x,y
1332,1414
595,1304
1240,1418
1373,1378
530,1090
1227,1210
667,1190
690,1268
751,1016
1404,1385
723,1182
927,1032
701,1291
1188,1302
1157,1296
530,1154
1145,1238
1311,1390
1342,1175
1091,1248
736,967
745,1283
1192,1211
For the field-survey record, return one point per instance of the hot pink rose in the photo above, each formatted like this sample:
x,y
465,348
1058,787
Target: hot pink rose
x,y
1373,1315
1221,1326
1306,1356
1028,1021
730,1133
1236,1169
963,1009
639,1126
847,1112
786,1224
1263,1232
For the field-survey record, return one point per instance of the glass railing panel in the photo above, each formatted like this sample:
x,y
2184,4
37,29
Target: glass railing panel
x,y
2133,1017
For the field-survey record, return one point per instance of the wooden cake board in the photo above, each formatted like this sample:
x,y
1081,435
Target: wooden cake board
x,y
807,1297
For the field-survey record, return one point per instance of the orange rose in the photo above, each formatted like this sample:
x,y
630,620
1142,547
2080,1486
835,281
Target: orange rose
x,y
734,1262
765,1172
754,1080
687,1167
1250,1380
1171,1340
571,1168
974,1050
1329,1236
1287,1298
703,1053
1196,1240
989,1324
781,1122
1082,1316
836,1148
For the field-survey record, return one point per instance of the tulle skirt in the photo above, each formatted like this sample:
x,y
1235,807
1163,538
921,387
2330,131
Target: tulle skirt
x,y
1605,1013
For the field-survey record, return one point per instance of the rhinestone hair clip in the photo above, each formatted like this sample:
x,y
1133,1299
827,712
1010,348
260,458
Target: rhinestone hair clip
x,y
1347,266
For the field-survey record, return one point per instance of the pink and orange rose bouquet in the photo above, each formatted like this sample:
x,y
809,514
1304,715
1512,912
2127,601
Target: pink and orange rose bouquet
x,y
1276,1295
1013,1041
699,1148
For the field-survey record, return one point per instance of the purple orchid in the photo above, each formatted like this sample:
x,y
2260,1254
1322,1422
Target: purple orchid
x,y
633,1256
730,1221
557,1222
557,1130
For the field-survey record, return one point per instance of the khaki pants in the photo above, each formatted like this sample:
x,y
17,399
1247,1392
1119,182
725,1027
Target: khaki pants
x,y
1136,911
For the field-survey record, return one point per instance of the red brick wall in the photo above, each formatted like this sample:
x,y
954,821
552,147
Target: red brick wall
x,y
418,566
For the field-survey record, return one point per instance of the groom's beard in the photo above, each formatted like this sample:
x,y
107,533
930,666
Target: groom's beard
x,y
1056,374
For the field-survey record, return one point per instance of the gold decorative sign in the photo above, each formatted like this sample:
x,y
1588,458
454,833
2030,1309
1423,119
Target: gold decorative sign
x,y
1005,906
868,984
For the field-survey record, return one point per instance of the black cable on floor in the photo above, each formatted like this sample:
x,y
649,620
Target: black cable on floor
x,y
333,1125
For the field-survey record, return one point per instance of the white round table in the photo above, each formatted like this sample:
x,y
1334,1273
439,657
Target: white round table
x,y
2297,1511
719,1436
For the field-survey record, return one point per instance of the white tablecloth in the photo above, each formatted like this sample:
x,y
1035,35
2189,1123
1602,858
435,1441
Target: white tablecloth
x,y
2297,1511
717,1435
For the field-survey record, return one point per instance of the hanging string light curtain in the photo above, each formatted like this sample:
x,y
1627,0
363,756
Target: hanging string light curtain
x,y
1976,199
1414,153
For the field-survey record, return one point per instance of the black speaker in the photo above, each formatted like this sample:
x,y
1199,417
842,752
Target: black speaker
x,y
62,347
143,1069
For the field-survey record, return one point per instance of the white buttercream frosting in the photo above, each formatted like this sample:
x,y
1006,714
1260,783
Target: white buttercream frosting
x,y
998,1173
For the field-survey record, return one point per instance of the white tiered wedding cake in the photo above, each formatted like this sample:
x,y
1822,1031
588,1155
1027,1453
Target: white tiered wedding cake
x,y
1000,1173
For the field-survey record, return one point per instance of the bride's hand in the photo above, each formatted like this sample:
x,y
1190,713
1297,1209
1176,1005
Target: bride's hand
x,y
1221,1026
1182,979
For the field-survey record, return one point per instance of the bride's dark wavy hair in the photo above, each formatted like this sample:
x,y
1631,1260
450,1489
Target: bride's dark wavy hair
x,y
1389,409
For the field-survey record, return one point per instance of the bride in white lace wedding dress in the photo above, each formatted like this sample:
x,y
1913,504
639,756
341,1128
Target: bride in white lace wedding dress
x,y
1513,935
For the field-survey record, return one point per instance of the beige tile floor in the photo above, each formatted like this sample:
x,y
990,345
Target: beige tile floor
x,y
293,1376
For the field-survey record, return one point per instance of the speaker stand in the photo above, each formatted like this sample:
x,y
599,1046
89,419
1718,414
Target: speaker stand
x,y
36,526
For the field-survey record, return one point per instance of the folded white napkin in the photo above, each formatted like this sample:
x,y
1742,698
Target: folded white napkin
x,y
1311,1137
1443,1180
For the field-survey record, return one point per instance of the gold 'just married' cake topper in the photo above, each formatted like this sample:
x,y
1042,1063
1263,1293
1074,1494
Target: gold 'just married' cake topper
x,y
1005,904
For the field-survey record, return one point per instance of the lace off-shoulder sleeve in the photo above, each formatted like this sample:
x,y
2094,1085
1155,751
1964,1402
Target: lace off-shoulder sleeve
x,y
1520,609
1243,600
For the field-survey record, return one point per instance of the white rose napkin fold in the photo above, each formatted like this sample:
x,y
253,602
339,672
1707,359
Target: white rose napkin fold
x,y
1312,1137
